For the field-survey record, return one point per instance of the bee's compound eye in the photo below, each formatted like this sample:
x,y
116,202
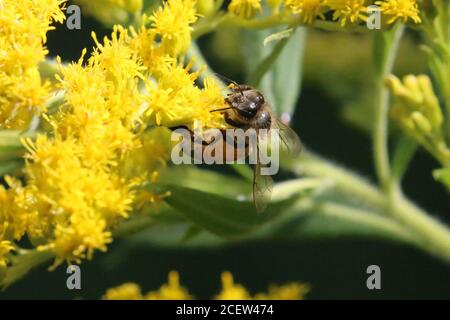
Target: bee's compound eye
x,y
259,98
252,106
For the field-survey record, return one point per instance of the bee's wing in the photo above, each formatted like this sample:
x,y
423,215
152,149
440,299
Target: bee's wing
x,y
289,139
262,187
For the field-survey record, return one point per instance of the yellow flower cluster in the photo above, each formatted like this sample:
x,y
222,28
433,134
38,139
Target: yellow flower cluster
x,y
77,188
400,10
173,98
87,173
345,11
230,291
23,28
111,11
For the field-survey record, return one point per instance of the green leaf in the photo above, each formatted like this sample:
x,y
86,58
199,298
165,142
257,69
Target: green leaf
x,y
382,59
278,36
220,215
22,264
278,65
8,167
329,219
205,180
321,219
403,154
267,63
11,146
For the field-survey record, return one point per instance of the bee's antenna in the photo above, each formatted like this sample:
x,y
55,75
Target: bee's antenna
x,y
222,109
227,80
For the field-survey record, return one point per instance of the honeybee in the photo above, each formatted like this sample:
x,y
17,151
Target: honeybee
x,y
248,109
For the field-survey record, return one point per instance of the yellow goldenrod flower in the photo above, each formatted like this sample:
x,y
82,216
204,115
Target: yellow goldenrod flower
x,y
79,239
116,57
176,100
172,22
170,291
83,176
400,10
131,291
308,10
5,248
126,291
23,28
231,290
110,12
348,11
291,291
153,56
245,9
78,185
14,216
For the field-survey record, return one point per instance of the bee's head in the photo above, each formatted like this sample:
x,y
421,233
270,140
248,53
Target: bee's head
x,y
246,100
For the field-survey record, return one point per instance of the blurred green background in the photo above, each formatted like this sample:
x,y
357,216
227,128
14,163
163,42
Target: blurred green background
x,y
332,118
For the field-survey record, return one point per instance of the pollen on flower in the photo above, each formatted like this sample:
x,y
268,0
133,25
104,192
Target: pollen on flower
x,y
154,56
400,10
245,9
172,22
308,10
348,11
176,100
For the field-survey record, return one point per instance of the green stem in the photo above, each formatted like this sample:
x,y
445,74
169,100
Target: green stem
x,y
133,226
434,236
344,180
11,147
431,235
384,225
278,19
385,53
